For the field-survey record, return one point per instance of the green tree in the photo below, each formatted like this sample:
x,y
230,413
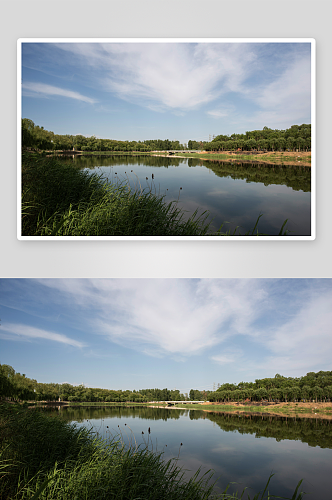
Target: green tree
x,y
305,392
28,137
317,392
295,392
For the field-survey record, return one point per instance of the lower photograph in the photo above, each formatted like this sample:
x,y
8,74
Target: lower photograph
x,y
165,389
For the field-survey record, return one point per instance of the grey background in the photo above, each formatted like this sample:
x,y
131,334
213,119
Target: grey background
x,y
159,18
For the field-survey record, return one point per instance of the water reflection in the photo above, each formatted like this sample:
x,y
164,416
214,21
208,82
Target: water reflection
x,y
314,432
81,413
242,448
235,192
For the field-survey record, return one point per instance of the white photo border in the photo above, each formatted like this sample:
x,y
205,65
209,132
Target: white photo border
x,y
312,41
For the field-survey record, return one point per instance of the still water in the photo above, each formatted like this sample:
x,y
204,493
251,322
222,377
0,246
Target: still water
x,y
236,193
244,449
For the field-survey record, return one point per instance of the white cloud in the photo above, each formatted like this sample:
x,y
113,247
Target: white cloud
x,y
249,84
28,332
217,113
224,359
230,354
305,340
167,75
267,326
157,316
46,90
286,100
291,89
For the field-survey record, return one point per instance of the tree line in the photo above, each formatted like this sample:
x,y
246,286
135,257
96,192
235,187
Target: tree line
x,y
36,137
19,387
297,137
313,387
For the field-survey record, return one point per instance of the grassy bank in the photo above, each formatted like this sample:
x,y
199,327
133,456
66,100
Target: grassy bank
x,y
43,457
272,157
276,157
286,409
43,453
60,200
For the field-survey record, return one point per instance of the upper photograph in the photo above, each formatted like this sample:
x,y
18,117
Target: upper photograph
x,y
176,139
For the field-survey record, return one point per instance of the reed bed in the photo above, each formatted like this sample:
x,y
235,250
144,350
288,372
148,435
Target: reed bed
x,y
43,457
60,200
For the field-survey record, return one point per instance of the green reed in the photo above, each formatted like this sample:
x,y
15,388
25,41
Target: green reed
x,y
43,457
60,200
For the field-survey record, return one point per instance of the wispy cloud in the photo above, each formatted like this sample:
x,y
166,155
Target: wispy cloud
x,y
167,75
178,317
253,325
176,76
285,100
232,86
290,89
217,113
229,355
44,90
306,339
27,332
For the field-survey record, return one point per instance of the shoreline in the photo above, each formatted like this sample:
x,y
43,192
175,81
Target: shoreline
x,y
293,410
271,158
278,158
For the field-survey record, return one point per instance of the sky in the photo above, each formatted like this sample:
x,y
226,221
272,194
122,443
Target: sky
x,y
165,90
155,333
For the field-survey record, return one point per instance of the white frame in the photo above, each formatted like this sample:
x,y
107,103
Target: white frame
x,y
312,41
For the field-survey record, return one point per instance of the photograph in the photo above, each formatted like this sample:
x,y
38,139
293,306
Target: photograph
x,y
166,388
166,139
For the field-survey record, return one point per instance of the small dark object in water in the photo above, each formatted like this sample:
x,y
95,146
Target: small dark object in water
x,y
142,432
131,171
180,188
115,173
152,176
149,430
147,178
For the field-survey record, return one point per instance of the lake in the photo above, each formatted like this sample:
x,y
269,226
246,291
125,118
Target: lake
x,y
232,192
245,449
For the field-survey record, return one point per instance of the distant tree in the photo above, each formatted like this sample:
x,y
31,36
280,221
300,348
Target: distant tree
x,y
305,392
275,394
295,392
317,392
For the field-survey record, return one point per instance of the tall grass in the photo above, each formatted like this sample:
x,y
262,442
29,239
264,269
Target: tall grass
x,y
60,200
43,457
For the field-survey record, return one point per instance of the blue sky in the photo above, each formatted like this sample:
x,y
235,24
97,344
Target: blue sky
x,y
174,333
168,90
